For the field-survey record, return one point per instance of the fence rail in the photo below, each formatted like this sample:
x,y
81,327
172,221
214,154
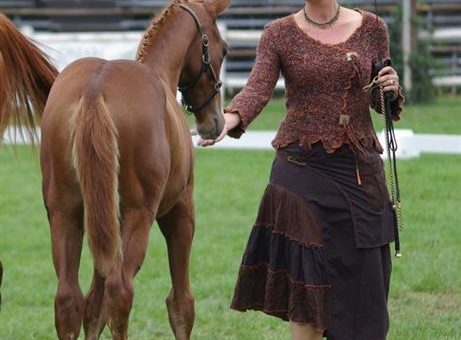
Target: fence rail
x,y
411,145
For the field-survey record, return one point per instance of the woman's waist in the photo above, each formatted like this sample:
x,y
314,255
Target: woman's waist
x,y
332,140
316,152
342,158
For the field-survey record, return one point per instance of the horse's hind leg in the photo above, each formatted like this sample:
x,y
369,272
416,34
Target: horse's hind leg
x,y
118,297
66,238
94,322
178,228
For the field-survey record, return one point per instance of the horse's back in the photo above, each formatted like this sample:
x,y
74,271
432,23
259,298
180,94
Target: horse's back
x,y
126,86
135,102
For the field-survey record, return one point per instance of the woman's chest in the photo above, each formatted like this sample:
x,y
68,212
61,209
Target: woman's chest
x,y
307,61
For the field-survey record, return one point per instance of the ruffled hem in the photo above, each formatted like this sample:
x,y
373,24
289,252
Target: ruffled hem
x,y
304,264
276,293
285,137
330,145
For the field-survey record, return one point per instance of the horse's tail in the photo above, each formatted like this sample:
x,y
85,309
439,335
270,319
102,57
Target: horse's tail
x,y
26,77
95,156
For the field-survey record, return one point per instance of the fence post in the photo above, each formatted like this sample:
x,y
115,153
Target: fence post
x,y
407,43
223,30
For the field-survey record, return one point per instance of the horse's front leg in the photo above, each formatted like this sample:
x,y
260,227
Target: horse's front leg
x,y
177,227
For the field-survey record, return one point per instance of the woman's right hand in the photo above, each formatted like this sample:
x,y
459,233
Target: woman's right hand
x,y
231,120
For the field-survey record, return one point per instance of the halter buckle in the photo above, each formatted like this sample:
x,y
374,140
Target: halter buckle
x,y
206,59
205,40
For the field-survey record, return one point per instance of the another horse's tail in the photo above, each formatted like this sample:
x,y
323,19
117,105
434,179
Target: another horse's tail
x,y
95,156
26,77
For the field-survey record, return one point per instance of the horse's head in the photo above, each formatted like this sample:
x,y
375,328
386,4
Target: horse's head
x,y
199,81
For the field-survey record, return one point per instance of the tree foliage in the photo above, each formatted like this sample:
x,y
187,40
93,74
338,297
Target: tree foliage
x,y
421,62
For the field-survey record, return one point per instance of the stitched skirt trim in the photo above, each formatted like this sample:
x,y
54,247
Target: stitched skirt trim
x,y
289,215
276,293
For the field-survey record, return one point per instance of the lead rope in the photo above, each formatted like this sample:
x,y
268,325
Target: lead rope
x,y
391,164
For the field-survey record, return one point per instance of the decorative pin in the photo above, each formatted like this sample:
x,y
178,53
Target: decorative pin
x,y
349,55
344,119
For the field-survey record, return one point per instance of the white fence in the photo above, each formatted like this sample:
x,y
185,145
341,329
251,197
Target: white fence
x,y
67,47
410,145
64,48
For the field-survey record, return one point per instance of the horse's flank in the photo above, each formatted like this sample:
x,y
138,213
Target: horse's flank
x,y
26,77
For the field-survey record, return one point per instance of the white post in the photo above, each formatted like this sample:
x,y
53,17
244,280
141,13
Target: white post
x,y
406,44
223,30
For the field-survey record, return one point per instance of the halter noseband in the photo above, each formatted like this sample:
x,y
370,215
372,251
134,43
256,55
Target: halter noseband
x,y
206,68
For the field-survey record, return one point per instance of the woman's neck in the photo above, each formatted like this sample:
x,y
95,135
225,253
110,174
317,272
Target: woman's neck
x,y
321,10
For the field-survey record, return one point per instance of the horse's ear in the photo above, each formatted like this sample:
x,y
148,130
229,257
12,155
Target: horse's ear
x,y
216,7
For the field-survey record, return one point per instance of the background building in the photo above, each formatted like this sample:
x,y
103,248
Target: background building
x,y
241,23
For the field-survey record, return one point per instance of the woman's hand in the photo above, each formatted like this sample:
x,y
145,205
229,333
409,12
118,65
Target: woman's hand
x,y
389,80
231,120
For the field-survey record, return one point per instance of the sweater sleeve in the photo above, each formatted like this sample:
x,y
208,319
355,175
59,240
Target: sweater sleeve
x,y
249,102
383,52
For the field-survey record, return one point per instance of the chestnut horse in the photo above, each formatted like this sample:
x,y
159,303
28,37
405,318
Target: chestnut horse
x,y
116,154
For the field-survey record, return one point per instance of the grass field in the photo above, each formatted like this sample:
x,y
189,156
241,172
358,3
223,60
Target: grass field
x,y
425,298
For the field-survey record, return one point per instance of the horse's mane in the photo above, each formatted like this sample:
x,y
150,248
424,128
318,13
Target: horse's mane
x,y
26,77
154,27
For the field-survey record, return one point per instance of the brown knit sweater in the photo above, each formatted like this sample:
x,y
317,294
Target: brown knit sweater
x,y
324,97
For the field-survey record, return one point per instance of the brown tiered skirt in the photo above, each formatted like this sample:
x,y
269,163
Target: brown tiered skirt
x,y
319,249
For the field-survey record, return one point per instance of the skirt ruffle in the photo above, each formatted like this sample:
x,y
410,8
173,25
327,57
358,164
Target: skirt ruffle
x,y
283,271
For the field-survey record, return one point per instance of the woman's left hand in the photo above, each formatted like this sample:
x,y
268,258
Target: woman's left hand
x,y
389,80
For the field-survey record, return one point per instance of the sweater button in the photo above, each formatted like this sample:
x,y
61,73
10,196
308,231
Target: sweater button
x,y
344,119
351,55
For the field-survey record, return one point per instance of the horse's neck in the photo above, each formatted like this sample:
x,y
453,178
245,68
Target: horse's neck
x,y
167,52
165,56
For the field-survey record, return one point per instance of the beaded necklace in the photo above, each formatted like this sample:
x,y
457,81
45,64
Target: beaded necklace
x,y
322,25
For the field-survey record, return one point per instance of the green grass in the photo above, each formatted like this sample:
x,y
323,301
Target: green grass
x,y
425,297
425,300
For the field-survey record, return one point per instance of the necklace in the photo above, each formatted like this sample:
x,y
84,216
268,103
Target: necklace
x,y
322,25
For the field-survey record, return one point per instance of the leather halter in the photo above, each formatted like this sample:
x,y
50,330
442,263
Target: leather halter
x,y
205,68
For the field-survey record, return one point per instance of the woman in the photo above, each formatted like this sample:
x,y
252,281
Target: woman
x,y
318,254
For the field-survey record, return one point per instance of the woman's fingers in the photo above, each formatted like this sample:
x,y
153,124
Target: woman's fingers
x,y
223,134
231,121
389,80
209,142
386,70
205,142
392,89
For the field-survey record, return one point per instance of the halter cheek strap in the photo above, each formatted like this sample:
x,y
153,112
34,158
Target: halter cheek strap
x,y
206,67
